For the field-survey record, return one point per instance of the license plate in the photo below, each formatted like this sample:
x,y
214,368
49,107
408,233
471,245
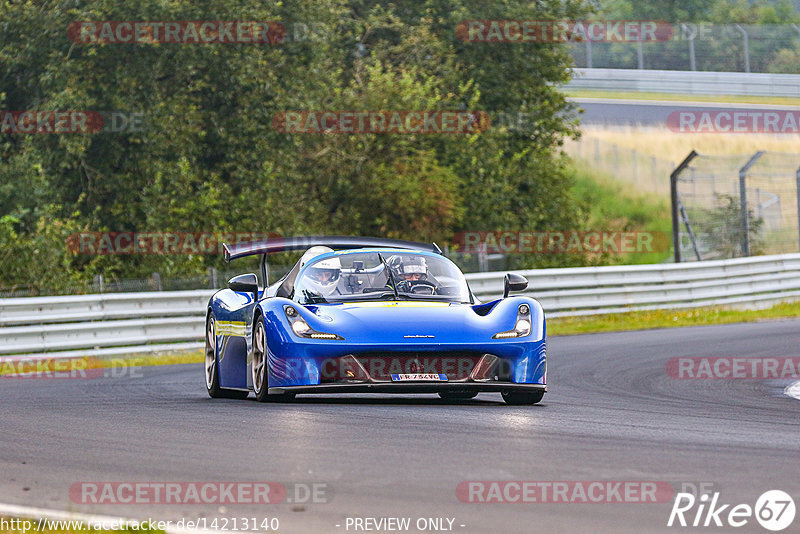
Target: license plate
x,y
426,377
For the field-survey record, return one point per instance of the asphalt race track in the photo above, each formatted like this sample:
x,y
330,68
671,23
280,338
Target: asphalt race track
x,y
612,414
619,112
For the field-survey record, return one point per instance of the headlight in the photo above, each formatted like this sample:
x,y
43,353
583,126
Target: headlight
x,y
523,326
301,328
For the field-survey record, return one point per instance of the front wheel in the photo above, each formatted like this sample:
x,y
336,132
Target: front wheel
x,y
260,367
522,398
212,371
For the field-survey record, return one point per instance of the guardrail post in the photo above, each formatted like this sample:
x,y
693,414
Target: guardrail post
x,y
746,41
673,185
743,201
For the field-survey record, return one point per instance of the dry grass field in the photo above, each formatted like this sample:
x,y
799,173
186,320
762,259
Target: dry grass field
x,y
671,146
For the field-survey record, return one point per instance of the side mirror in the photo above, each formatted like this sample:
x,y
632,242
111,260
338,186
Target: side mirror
x,y
514,282
246,283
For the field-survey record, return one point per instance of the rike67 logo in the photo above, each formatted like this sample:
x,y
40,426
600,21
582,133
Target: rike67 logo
x,y
774,510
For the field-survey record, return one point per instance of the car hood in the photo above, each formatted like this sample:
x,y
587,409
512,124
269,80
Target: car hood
x,y
411,322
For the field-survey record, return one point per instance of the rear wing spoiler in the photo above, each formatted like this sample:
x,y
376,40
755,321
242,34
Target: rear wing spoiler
x,y
283,244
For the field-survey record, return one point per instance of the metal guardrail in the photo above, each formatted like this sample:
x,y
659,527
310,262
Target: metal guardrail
x,y
103,324
687,82
594,290
163,321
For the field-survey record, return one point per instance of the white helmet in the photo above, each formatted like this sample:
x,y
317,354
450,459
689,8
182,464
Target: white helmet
x,y
402,265
322,276
312,253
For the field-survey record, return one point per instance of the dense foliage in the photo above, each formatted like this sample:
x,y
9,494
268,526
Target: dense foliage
x,y
209,159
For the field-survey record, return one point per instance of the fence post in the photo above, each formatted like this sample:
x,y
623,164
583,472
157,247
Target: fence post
x,y
797,179
758,203
743,201
639,54
746,40
654,170
212,275
673,185
588,53
690,35
483,259
157,281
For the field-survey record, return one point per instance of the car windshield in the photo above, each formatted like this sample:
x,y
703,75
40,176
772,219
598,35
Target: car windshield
x,y
380,275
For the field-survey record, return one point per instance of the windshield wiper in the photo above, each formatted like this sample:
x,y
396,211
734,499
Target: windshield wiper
x,y
391,276
424,296
372,295
313,298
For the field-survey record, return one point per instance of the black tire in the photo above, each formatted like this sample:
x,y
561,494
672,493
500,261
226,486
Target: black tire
x,y
260,367
211,370
458,395
522,398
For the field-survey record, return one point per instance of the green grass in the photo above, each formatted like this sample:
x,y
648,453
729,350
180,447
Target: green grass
x,y
80,363
162,359
727,99
642,320
617,206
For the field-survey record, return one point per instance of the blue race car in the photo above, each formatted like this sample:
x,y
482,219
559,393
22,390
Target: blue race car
x,y
370,315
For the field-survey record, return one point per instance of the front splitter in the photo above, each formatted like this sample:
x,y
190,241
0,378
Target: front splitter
x,y
418,387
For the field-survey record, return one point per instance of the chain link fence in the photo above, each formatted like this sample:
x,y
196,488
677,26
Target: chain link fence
x,y
735,206
645,172
212,279
703,47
